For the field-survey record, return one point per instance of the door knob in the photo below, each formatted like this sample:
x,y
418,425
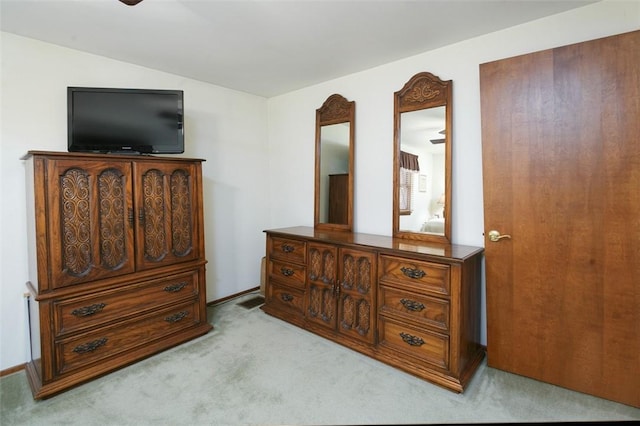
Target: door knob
x,y
495,236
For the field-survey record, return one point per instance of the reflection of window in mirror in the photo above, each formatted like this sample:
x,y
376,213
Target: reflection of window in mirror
x,y
422,153
409,168
422,130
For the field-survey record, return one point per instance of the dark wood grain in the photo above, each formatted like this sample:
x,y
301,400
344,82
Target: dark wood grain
x,y
561,166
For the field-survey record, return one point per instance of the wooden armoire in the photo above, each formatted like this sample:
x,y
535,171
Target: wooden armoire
x,y
116,262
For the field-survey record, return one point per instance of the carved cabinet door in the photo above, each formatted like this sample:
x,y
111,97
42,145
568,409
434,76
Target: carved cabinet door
x,y
166,205
322,284
341,290
90,221
356,291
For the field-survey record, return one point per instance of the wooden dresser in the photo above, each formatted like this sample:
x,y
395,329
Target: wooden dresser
x,y
116,262
412,305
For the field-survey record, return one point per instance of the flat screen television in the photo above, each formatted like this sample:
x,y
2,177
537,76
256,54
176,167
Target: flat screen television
x,y
136,121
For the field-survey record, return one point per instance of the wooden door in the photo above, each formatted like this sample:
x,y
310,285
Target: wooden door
x,y
90,220
322,284
166,203
561,166
356,296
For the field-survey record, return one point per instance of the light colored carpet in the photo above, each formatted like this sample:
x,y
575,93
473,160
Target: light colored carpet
x,y
254,369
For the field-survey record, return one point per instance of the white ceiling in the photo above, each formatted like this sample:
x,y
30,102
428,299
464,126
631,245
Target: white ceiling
x,y
265,47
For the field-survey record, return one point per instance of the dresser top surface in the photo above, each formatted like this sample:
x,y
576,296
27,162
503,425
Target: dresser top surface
x,y
449,251
101,156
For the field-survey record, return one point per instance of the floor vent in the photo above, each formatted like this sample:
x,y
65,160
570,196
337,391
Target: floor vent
x,y
252,303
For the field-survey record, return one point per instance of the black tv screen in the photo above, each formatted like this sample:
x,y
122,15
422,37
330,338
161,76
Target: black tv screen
x,y
125,120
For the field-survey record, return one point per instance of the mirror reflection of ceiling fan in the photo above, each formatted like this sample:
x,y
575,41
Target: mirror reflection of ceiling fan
x,y
130,2
433,141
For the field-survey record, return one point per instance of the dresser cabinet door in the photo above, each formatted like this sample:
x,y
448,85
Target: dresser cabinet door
x,y
341,289
322,284
166,203
356,290
90,220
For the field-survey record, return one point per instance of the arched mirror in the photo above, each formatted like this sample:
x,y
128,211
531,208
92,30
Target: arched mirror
x,y
335,130
422,159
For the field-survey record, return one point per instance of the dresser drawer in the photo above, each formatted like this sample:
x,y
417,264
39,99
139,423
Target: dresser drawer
x,y
80,313
289,273
287,250
428,310
285,298
415,274
79,351
423,344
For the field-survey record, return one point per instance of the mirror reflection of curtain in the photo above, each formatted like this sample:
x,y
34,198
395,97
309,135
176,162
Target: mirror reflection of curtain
x,y
409,168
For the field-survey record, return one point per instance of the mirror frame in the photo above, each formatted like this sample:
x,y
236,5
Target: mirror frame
x,y
424,90
335,110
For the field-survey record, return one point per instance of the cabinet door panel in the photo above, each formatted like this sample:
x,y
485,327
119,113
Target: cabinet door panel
x,y
357,290
167,225
321,298
90,220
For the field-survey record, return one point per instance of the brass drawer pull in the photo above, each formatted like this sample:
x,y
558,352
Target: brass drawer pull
x,y
413,273
287,248
176,317
88,310
286,271
286,297
90,347
173,288
411,340
412,305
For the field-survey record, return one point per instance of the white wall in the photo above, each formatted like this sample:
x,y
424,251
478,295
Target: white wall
x,y
225,127
291,121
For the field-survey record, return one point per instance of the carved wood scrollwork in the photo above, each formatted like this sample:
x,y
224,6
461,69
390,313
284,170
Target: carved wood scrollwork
x,y
155,241
315,264
348,313
75,191
364,319
422,89
336,107
181,213
111,190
